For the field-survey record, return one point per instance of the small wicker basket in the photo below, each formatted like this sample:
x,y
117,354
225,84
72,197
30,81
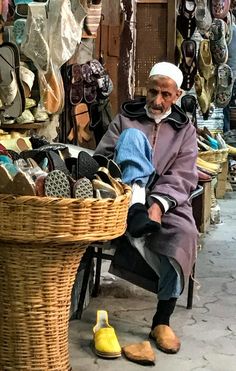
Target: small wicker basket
x,y
216,156
42,241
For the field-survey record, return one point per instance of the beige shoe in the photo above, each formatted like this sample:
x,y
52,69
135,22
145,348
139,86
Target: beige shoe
x,y
165,338
141,353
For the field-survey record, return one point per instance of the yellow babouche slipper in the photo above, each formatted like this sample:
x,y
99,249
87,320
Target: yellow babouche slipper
x,y
105,340
232,150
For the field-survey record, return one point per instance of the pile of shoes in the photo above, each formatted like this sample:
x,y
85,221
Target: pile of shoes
x,y
106,344
207,143
89,89
45,169
205,66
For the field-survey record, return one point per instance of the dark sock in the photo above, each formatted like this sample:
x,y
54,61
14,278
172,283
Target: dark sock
x,y
164,310
138,221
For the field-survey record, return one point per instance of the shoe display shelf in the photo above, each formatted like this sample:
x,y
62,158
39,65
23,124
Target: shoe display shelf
x,y
34,125
42,241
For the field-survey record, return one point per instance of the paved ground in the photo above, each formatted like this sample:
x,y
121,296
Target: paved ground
x,y
207,332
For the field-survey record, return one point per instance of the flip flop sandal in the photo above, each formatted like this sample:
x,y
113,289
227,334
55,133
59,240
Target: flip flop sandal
x,y
87,73
85,137
87,166
97,68
218,43
5,180
220,8
90,92
23,185
83,188
57,185
77,87
105,86
19,30
9,56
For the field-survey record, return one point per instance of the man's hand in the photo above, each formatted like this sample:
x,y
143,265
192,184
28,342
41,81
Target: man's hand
x,y
155,213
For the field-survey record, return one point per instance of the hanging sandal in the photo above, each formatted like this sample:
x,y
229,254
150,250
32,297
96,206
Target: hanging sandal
x,y
105,340
76,89
83,134
189,63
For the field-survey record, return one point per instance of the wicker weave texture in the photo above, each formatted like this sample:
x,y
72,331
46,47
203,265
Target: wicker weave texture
x,y
218,156
32,218
35,290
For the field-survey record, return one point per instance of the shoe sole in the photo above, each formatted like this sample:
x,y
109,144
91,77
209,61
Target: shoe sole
x,y
107,355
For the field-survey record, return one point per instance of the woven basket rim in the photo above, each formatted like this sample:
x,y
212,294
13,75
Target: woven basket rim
x,y
35,219
38,200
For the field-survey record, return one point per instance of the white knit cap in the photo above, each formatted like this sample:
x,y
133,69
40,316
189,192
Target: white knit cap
x,y
169,70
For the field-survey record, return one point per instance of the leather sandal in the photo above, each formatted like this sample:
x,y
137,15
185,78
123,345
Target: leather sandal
x,y
186,22
205,65
189,63
218,43
220,8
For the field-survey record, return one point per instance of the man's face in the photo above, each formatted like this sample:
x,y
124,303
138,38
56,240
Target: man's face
x,y
162,92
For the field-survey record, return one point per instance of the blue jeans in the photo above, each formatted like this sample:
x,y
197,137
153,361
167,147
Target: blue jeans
x,y
133,153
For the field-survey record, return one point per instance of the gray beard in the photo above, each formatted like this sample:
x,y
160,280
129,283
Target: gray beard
x,y
157,118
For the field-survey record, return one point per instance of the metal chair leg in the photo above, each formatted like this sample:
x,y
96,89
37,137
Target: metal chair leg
x,y
90,252
190,289
98,272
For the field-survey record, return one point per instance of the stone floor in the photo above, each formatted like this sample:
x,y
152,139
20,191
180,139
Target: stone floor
x,y
207,332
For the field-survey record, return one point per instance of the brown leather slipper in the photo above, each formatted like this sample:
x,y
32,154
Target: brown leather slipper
x,y
165,339
141,353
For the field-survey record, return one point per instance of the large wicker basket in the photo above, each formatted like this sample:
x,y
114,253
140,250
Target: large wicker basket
x,y
216,156
45,219
42,241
